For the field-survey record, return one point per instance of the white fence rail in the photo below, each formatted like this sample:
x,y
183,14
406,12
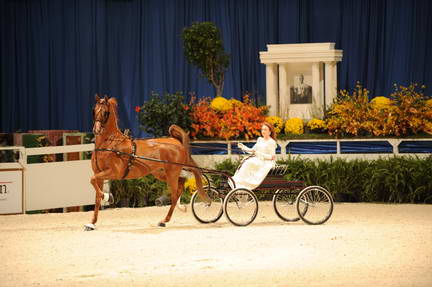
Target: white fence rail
x,y
38,186
285,152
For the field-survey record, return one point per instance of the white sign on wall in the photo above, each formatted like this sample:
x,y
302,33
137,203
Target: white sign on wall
x,y
11,195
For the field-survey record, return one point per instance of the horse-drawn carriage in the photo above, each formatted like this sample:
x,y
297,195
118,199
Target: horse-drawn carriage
x,y
291,200
118,156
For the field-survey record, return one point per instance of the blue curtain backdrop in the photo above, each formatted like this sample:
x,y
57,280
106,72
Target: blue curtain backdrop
x,y
55,55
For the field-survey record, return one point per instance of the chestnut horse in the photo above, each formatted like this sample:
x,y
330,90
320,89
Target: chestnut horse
x,y
117,156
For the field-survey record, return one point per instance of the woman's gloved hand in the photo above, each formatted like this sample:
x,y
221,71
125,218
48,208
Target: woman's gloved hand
x,y
244,148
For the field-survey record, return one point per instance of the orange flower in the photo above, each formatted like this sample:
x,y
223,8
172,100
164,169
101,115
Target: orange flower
x,y
243,120
137,109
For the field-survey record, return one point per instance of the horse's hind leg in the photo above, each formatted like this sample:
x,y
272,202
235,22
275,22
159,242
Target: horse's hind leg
x,y
180,189
176,185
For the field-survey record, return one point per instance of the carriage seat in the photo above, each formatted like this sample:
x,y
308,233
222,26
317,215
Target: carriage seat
x,y
278,171
275,180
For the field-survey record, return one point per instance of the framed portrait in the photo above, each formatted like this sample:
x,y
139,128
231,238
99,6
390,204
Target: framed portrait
x,y
300,92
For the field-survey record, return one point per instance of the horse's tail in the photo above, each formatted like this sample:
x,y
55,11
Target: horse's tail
x,y
178,133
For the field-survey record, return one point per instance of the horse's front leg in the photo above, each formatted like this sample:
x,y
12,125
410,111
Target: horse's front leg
x,y
97,182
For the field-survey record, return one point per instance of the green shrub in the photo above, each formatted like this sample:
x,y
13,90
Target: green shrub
x,y
157,114
394,180
137,192
397,179
227,165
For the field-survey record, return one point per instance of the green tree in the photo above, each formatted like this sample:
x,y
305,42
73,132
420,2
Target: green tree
x,y
203,47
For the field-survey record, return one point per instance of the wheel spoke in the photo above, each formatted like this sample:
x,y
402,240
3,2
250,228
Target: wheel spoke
x,y
241,207
319,205
284,205
207,212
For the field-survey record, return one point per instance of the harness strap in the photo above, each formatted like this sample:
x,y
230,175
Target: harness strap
x,y
97,165
131,159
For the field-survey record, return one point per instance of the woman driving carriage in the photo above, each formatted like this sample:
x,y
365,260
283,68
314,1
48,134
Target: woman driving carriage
x,y
254,168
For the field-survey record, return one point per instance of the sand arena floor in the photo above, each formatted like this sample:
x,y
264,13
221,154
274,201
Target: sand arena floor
x,y
361,245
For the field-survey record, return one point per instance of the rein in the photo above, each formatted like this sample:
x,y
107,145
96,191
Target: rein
x,y
117,152
198,146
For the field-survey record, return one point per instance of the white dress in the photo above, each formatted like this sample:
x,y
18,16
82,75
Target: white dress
x,y
253,170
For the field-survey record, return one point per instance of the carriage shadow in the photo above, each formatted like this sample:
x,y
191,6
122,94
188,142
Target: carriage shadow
x,y
154,229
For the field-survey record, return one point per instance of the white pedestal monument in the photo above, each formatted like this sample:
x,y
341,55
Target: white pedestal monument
x,y
301,79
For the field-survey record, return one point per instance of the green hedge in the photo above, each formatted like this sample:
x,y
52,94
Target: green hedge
x,y
137,192
396,179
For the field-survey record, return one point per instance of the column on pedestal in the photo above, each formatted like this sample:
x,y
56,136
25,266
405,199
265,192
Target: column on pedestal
x,y
317,93
272,90
284,98
330,82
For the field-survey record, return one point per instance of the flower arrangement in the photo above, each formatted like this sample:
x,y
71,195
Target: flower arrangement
x,y
405,112
205,120
220,104
348,114
316,125
227,119
294,126
411,114
277,123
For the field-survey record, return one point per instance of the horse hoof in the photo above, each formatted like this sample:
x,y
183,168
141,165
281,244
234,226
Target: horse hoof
x,y
161,224
108,197
111,199
182,208
89,227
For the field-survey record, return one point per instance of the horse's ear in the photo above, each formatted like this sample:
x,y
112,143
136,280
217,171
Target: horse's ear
x,y
97,98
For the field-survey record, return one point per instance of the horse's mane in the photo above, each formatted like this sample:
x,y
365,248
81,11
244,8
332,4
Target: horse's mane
x,y
114,110
113,101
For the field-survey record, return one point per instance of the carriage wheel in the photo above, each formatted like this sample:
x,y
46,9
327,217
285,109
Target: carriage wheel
x,y
206,212
319,204
241,206
284,205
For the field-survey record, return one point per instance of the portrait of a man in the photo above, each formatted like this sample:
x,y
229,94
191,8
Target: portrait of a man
x,y
301,93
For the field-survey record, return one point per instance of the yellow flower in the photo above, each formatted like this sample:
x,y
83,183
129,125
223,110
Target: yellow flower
x,y
338,108
235,102
381,102
294,126
220,104
277,123
190,185
428,127
316,124
429,103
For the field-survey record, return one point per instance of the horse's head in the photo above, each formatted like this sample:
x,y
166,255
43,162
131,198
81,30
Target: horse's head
x,y
101,113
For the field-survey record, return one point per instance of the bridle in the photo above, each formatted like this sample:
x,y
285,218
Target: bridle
x,y
102,114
